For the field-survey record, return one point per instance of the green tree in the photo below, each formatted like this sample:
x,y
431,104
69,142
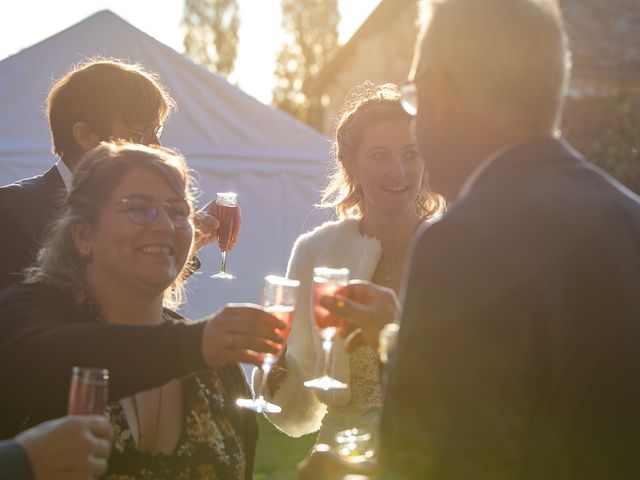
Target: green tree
x,y
617,148
606,128
312,27
211,36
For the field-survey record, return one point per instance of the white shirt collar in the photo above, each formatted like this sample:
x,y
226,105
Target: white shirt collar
x,y
65,173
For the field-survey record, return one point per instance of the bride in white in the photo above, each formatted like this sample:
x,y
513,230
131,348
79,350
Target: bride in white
x,y
378,190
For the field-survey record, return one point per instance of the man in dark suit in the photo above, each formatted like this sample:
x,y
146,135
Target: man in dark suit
x,y
26,207
96,101
518,355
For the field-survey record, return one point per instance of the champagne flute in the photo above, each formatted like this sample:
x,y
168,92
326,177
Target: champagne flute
x,y
279,296
225,209
89,391
326,281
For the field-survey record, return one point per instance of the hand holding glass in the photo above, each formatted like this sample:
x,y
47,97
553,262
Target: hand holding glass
x,y
326,281
225,209
279,296
89,391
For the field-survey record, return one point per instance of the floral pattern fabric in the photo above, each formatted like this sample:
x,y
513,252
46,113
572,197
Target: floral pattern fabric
x,y
364,408
209,446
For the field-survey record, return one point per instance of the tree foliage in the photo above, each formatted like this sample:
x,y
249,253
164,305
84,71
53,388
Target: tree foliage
x,y
312,27
211,36
607,130
617,148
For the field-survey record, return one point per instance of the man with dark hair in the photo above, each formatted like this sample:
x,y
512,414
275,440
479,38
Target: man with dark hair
x,y
97,101
104,99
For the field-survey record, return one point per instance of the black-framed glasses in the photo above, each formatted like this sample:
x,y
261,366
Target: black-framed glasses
x,y
409,94
146,136
143,210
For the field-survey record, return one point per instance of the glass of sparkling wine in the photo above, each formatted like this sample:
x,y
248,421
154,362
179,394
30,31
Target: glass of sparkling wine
x,y
89,391
225,209
326,281
279,296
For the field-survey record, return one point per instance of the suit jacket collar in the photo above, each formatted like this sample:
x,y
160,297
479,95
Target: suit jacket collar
x,y
51,190
65,174
471,179
535,153
52,179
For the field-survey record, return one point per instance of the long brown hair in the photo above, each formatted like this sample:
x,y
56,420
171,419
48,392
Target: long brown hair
x,y
101,170
366,105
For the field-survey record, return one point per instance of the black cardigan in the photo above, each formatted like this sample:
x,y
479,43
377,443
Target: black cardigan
x,y
43,335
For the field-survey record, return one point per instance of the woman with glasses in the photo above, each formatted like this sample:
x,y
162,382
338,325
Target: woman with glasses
x,y
378,191
98,296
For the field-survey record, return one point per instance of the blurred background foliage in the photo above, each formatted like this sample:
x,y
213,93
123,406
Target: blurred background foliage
x,y
211,33
312,27
607,131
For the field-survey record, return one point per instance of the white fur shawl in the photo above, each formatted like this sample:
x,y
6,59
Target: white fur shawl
x,y
333,244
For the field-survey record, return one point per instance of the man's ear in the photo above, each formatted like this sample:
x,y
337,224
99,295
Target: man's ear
x,y
84,136
81,235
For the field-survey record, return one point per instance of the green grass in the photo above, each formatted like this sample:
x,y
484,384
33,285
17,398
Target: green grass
x,y
277,454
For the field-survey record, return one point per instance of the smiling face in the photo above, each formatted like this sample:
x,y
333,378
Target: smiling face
x,y
144,258
388,168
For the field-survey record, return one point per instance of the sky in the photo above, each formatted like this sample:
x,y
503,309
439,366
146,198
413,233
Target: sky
x,y
26,22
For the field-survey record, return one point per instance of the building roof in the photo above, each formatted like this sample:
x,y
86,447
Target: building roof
x,y
604,37
379,19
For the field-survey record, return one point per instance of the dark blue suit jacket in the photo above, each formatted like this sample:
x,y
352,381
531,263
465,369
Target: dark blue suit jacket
x,y
26,211
14,463
519,349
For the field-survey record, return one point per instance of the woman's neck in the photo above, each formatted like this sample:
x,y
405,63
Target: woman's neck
x,y
125,307
394,232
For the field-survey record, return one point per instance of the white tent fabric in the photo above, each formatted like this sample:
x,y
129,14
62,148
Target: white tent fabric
x,y
233,142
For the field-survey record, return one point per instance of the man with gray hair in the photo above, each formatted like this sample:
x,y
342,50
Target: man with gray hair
x,y
518,353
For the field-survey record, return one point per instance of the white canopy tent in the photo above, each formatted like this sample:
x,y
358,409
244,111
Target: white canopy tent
x,y
233,142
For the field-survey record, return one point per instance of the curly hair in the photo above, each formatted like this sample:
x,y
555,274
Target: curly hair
x,y
366,105
100,172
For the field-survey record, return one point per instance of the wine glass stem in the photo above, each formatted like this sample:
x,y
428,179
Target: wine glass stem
x,y
266,368
326,346
223,265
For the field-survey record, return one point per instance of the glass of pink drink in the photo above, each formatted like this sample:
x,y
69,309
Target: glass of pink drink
x,y
326,281
225,210
279,296
89,391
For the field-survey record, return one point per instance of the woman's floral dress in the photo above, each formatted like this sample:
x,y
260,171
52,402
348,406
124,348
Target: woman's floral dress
x,y
217,441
